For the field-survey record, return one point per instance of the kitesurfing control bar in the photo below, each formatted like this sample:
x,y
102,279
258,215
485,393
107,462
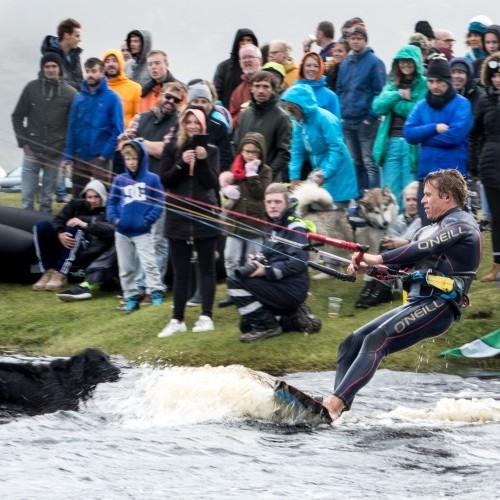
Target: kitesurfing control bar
x,y
346,245
331,272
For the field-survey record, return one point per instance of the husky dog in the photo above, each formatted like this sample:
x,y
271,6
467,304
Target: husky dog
x,y
376,212
316,204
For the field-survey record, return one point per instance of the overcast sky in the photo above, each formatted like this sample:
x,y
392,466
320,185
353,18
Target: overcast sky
x,y
197,34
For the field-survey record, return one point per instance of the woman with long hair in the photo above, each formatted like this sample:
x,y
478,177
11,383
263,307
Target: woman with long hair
x,y
189,168
339,53
406,86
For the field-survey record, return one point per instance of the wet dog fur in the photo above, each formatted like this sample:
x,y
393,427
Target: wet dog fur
x,y
33,389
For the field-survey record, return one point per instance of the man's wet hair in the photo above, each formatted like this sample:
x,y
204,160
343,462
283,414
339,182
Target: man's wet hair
x,y
449,181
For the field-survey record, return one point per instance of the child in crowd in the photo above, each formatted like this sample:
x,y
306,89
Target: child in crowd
x,y
243,188
136,201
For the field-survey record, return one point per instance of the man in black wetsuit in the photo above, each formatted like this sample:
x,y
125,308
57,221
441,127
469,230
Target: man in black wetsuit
x,y
443,258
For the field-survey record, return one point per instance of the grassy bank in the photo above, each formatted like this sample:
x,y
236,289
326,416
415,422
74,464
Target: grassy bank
x,y
37,322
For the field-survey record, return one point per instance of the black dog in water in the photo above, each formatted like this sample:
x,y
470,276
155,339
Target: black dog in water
x,y
60,385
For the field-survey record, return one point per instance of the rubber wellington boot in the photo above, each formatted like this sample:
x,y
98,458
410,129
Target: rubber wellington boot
x,y
492,274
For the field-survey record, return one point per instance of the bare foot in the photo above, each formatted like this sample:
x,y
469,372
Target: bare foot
x,y
334,406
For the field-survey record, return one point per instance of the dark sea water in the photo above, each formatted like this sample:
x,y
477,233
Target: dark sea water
x,y
217,432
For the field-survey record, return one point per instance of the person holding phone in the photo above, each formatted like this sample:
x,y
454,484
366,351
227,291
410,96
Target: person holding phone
x,y
189,167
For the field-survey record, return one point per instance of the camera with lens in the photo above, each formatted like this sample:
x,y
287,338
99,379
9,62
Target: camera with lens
x,y
248,268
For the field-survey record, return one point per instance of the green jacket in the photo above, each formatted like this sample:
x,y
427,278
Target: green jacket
x,y
40,118
389,101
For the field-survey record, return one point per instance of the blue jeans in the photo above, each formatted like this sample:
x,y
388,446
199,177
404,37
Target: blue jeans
x,y
61,185
33,164
359,138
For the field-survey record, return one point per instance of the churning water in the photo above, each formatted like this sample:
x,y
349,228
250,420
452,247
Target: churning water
x,y
216,433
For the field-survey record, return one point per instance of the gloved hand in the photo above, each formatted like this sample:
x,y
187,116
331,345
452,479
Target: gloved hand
x,y
251,168
231,191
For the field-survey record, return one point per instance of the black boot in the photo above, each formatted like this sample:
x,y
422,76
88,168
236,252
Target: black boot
x,y
228,301
365,295
380,293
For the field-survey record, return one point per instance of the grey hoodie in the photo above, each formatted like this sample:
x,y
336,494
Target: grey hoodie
x,y
137,68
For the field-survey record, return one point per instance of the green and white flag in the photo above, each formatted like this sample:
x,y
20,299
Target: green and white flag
x,y
485,347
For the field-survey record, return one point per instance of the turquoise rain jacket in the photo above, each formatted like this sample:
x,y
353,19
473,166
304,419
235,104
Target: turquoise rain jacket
x,y
319,133
389,101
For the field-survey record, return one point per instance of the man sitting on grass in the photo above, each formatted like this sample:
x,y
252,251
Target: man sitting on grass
x,y
78,235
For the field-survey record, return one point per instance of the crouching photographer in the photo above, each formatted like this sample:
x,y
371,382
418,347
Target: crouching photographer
x,y
269,290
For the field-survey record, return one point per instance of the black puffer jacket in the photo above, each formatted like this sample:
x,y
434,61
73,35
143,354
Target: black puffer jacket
x,y
203,186
484,147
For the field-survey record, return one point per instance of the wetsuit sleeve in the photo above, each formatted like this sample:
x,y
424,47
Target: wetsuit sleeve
x,y
437,243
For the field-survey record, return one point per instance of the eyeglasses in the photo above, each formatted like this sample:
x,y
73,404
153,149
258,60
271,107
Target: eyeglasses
x,y
494,64
246,58
170,97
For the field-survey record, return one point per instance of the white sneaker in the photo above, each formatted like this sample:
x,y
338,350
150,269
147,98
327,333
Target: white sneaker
x,y
173,327
204,324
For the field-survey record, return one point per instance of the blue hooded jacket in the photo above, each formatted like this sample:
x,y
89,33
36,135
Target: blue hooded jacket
x,y
319,133
361,78
136,200
95,121
448,149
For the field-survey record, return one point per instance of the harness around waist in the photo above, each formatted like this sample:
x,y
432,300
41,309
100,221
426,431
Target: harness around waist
x,y
425,285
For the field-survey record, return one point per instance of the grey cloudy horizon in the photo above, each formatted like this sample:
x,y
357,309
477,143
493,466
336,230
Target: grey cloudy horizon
x,y
197,35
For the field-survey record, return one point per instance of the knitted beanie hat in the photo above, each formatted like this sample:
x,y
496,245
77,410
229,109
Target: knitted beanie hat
x,y
439,68
199,90
425,28
51,57
360,29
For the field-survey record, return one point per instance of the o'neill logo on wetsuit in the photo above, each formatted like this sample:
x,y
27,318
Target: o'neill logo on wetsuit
x,y
452,233
419,313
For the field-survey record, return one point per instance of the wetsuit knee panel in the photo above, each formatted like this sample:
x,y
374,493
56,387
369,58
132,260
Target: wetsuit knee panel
x,y
345,345
373,341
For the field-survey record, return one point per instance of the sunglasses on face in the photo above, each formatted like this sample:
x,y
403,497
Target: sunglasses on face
x,y
170,97
494,64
